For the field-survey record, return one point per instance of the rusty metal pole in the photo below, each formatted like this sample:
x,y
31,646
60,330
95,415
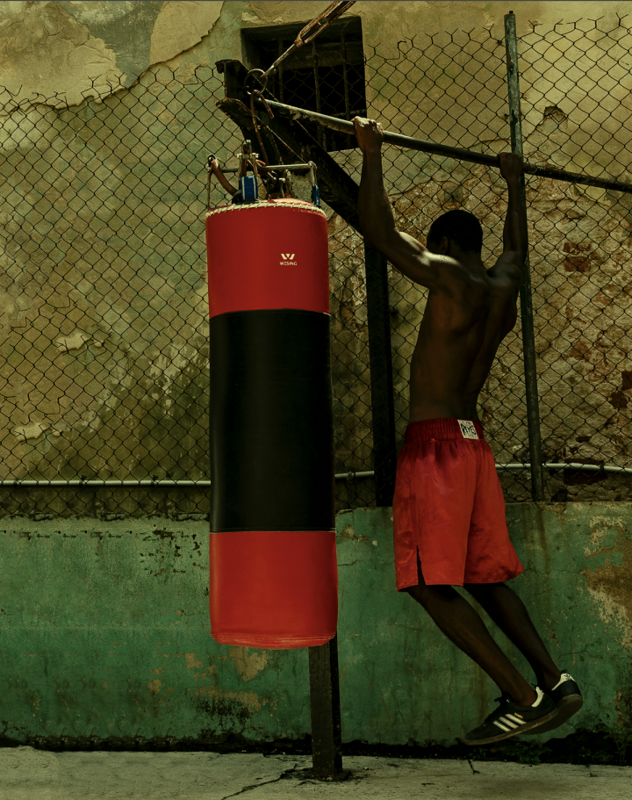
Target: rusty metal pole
x,y
381,366
324,687
526,300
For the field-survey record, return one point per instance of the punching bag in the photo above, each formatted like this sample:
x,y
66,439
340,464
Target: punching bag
x,y
273,574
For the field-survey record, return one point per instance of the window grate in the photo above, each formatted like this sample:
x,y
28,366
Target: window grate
x,y
326,76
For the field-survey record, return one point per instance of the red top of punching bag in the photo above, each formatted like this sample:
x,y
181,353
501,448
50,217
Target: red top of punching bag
x,y
267,255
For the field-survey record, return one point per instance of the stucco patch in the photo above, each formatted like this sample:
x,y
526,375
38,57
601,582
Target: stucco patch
x,y
44,50
32,431
181,25
72,342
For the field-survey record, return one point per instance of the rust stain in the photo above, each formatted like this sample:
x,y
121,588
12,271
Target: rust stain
x,y
580,351
578,258
603,299
610,582
618,400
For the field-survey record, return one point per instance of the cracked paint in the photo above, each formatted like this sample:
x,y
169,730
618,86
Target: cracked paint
x,y
45,49
248,666
348,533
610,579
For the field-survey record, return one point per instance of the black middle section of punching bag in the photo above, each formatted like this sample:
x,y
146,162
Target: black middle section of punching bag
x,y
271,422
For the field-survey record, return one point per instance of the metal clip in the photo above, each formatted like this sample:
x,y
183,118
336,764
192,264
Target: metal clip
x,y
315,189
248,183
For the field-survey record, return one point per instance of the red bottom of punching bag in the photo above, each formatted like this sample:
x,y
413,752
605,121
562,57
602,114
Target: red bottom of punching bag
x,y
273,589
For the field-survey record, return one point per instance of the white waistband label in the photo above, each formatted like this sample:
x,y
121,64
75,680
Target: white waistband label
x,y
467,429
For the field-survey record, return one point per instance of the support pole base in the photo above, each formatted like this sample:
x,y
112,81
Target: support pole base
x,y
340,775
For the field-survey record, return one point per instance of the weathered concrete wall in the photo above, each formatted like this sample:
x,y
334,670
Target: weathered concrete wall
x,y
105,634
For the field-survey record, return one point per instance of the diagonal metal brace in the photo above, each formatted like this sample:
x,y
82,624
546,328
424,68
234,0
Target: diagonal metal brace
x,y
337,189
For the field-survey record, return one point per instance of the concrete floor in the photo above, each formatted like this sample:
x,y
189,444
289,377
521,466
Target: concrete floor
x,y
29,774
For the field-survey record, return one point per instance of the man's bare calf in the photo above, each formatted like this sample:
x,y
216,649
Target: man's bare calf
x,y
462,625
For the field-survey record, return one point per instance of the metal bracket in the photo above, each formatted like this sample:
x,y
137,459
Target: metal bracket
x,y
336,188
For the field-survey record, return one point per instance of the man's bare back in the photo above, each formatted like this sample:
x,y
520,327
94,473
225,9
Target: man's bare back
x,y
457,343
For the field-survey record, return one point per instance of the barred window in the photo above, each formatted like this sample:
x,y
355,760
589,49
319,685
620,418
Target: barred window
x,y
326,75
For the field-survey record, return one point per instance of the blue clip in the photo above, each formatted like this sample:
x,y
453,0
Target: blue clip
x,y
315,195
249,190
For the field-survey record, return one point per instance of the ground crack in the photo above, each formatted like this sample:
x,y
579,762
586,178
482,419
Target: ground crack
x,y
263,783
474,771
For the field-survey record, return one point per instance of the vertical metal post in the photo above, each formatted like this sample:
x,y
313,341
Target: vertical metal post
x,y
325,707
526,303
381,364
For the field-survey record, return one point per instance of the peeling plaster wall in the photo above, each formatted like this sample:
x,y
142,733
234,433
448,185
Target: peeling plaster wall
x,y
80,49
102,362
106,636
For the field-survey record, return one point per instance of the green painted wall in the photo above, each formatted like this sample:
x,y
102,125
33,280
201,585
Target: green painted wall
x,y
105,634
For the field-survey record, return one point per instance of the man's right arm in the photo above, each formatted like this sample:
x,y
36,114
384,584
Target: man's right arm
x,y
378,224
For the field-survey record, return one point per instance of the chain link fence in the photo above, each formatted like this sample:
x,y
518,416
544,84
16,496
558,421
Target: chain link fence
x,y
103,367
575,87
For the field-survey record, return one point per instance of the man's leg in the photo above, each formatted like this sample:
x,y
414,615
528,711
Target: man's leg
x,y
463,626
508,612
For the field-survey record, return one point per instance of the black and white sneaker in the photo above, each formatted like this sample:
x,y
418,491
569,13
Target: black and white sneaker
x,y
567,699
510,719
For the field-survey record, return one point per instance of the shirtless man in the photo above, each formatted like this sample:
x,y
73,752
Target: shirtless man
x,y
448,508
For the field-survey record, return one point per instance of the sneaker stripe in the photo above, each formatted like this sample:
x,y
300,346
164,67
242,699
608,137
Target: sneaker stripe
x,y
502,727
507,721
515,719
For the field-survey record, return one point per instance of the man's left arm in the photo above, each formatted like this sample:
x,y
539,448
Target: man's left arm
x,y
515,233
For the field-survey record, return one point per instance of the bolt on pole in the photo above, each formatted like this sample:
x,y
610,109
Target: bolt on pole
x,y
526,300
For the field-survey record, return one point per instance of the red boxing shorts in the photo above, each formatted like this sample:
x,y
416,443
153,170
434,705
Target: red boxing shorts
x,y
449,509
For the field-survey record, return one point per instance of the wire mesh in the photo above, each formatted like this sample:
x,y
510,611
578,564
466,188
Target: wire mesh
x,y
103,365
451,88
104,359
575,86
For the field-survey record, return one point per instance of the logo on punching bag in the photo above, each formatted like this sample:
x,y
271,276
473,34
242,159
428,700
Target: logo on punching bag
x,y
287,260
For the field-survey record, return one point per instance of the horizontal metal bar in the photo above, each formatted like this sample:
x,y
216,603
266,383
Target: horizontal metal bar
x,y
571,465
273,166
78,482
411,143
16,482
349,476
339,476
548,465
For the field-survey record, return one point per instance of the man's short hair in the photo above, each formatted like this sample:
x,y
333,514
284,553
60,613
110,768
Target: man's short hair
x,y
459,227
